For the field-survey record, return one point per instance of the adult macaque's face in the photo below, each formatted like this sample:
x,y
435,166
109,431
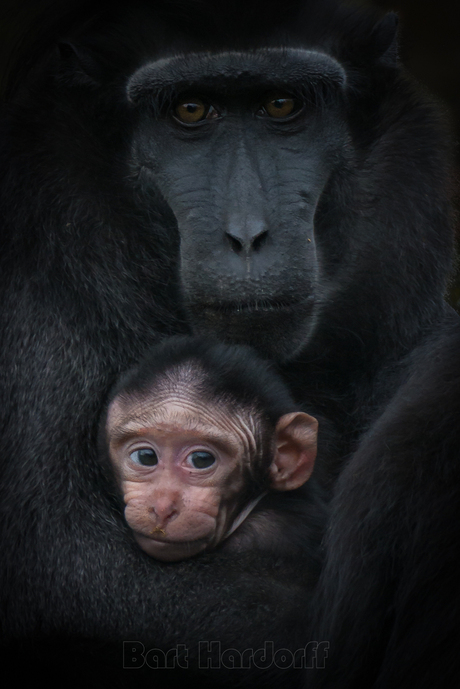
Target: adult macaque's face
x,y
181,465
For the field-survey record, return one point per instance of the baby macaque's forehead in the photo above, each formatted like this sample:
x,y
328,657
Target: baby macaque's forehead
x,y
179,410
149,401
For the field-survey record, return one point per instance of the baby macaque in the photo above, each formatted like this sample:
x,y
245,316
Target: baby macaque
x,y
200,435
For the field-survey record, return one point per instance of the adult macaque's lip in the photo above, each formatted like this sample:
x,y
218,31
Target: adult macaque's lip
x,y
259,305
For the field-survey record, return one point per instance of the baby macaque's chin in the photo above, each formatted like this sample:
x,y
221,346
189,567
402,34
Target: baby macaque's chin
x,y
171,551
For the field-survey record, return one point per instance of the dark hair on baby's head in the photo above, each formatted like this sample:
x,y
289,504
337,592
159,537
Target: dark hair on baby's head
x,y
233,374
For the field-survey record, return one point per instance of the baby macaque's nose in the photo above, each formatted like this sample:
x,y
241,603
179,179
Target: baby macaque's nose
x,y
165,510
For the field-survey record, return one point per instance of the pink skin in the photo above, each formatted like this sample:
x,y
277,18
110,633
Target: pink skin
x,y
175,509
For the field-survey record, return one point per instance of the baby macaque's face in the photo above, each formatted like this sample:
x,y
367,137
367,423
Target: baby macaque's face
x,y
183,465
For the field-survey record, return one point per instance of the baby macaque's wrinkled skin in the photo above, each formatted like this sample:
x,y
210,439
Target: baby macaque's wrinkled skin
x,y
184,466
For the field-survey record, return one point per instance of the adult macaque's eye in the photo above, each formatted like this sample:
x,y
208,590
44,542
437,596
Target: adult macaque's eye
x,y
201,459
146,456
279,106
194,110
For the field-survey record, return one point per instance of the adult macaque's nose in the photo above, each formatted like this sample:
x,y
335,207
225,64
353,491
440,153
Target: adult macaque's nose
x,y
246,235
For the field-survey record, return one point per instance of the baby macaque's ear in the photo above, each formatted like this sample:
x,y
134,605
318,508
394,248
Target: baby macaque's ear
x,y
295,451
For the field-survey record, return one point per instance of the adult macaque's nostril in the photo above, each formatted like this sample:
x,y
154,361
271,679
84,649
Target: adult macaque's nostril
x,y
235,243
259,240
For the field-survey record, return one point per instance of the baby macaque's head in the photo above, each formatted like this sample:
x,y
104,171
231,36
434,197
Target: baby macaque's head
x,y
197,433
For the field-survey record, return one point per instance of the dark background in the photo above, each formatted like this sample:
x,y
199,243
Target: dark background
x,y
430,49
429,40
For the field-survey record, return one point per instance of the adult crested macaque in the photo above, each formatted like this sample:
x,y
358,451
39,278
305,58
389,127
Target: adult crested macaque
x,y
263,172
199,433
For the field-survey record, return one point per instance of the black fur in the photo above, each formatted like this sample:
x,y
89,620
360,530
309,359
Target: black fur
x,y
232,373
91,279
393,542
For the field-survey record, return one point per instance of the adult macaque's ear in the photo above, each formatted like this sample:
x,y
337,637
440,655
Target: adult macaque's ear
x,y
295,452
384,38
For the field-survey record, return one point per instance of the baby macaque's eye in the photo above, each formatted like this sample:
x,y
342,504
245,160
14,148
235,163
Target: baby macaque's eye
x,y
201,459
146,457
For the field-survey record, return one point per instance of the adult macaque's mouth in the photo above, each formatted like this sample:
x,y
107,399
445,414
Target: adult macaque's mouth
x,y
262,305
255,305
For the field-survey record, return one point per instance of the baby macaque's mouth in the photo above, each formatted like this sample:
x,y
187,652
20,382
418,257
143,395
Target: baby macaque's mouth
x,y
167,541
168,550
